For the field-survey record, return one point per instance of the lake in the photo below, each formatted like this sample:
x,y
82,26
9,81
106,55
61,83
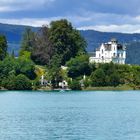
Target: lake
x,y
96,115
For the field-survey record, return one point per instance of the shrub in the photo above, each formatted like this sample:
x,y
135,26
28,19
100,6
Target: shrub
x,y
20,82
75,85
98,78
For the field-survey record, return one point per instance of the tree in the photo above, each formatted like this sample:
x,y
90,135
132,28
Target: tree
x,y
13,53
67,41
7,67
79,66
43,50
60,40
55,76
26,67
98,78
9,82
108,68
22,83
74,85
3,47
27,40
12,66
115,79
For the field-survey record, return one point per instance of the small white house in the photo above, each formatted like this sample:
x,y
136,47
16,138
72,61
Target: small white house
x,y
63,84
109,52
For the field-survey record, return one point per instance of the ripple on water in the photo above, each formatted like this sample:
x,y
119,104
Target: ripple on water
x,y
70,116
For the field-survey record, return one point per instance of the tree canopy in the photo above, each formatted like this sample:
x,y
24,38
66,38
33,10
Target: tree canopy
x,y
3,47
79,66
67,41
28,39
58,41
42,51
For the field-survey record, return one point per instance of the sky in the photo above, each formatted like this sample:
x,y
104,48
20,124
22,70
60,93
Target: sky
x,y
102,15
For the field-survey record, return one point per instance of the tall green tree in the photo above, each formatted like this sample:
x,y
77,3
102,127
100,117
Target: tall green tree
x,y
98,78
79,66
3,47
60,40
28,39
115,79
67,41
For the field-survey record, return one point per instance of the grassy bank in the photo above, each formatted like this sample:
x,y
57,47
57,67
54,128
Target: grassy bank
x,y
123,87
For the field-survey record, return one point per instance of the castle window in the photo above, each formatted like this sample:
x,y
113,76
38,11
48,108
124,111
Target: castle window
x,y
118,54
102,51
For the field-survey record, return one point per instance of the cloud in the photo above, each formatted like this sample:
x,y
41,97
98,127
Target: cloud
x,y
107,15
87,22
126,28
6,9
36,22
22,5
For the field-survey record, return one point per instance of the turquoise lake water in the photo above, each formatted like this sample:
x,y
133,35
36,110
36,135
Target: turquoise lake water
x,y
97,115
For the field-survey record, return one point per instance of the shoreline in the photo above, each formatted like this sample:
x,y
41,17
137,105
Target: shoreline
x,y
119,88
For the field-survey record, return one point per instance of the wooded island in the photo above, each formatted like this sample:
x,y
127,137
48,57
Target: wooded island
x,y
57,55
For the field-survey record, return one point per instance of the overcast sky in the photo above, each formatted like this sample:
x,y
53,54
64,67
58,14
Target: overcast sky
x,y
102,15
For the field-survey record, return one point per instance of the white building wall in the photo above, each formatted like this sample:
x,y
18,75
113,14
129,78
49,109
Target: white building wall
x,y
103,56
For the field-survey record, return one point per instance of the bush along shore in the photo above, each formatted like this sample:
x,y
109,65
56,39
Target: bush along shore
x,y
55,57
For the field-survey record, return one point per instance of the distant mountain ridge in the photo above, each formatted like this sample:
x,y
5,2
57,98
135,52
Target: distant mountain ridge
x,y
93,38
13,34
131,41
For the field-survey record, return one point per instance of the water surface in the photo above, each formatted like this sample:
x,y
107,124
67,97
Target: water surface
x,y
96,115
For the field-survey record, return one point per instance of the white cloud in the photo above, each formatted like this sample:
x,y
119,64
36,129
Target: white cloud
x,y
96,21
36,22
6,9
25,21
17,5
127,28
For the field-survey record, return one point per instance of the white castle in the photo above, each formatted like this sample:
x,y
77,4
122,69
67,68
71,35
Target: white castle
x,y
109,52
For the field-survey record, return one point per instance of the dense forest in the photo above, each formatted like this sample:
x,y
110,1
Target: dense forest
x,y
45,51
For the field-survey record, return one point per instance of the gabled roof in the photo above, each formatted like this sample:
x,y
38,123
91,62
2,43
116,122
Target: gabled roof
x,y
107,47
